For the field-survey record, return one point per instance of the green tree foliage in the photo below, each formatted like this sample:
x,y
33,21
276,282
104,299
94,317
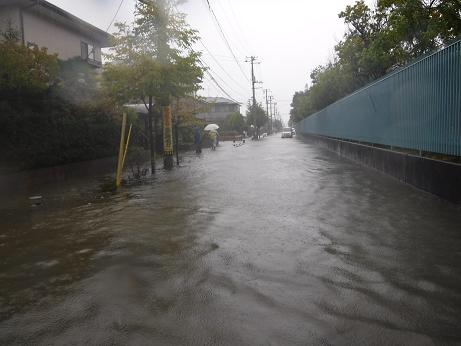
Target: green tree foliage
x,y
235,122
256,116
151,60
277,125
377,41
25,71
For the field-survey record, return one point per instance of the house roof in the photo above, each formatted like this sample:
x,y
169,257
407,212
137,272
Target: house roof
x,y
220,100
54,12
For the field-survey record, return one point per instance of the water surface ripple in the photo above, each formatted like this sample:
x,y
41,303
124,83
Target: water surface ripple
x,y
271,243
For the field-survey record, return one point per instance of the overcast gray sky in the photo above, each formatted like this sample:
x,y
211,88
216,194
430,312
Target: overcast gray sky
x,y
289,37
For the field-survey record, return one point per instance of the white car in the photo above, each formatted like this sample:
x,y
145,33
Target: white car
x,y
287,132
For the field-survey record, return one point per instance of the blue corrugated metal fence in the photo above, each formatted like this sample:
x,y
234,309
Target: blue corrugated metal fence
x,y
417,107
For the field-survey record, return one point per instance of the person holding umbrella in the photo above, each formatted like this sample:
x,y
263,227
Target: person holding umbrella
x,y
213,134
214,139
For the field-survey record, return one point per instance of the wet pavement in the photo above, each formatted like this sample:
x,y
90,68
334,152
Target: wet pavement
x,y
276,242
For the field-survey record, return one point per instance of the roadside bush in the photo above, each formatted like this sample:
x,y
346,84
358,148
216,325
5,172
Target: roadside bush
x,y
50,111
47,132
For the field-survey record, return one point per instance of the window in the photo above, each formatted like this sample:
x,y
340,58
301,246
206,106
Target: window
x,y
91,52
84,50
88,51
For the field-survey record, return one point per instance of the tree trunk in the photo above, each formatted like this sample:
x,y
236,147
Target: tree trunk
x,y
145,139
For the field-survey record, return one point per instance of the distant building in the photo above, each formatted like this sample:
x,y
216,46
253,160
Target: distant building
x,y
40,23
217,109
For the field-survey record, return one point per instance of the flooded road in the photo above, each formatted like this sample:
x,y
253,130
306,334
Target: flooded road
x,y
277,242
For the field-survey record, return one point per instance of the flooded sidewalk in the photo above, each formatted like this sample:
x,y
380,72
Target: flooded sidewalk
x,y
275,242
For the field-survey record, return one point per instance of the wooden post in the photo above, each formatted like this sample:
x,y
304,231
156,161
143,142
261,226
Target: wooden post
x,y
118,175
126,146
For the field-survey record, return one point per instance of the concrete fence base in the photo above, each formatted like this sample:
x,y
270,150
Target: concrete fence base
x,y
437,177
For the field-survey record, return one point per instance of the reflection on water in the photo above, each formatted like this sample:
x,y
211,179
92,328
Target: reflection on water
x,y
274,242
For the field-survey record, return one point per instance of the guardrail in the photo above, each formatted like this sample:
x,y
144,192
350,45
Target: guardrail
x,y
417,107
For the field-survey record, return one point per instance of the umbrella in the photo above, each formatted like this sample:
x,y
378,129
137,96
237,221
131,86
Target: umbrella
x,y
211,127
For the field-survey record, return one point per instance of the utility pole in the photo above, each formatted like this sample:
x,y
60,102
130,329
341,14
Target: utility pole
x,y
252,61
165,101
267,110
271,101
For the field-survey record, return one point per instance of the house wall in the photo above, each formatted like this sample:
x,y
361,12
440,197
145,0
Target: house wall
x,y
45,32
56,37
217,117
218,112
9,15
226,108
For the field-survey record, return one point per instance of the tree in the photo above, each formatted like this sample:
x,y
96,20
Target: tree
x,y
377,41
278,125
152,62
257,117
25,71
235,122
422,25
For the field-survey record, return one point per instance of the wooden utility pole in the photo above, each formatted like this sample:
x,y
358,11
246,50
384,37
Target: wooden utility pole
x,y
176,135
165,102
267,111
252,60
271,98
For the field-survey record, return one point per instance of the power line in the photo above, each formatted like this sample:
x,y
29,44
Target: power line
x,y
115,16
239,27
207,68
237,42
223,81
222,68
225,39
219,86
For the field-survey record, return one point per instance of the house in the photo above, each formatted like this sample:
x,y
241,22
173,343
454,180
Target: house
x,y
40,23
217,109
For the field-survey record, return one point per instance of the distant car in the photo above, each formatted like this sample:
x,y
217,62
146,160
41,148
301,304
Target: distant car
x,y
293,131
287,132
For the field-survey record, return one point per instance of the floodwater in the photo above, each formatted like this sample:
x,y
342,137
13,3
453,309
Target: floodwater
x,y
276,242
